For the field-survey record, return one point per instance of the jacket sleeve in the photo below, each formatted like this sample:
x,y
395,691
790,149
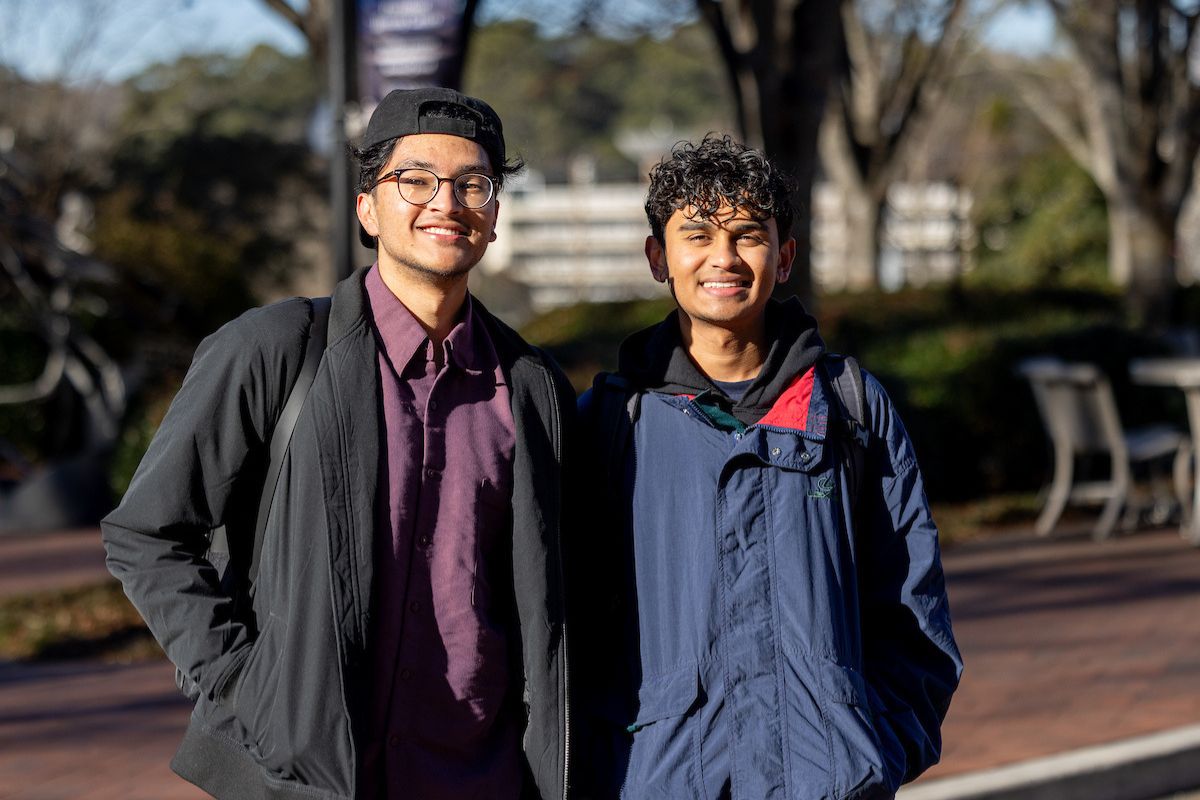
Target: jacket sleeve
x,y
213,431
911,661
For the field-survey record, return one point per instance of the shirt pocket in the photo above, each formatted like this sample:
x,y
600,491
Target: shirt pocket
x,y
664,748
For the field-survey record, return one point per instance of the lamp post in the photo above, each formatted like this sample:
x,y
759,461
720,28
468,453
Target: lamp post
x,y
343,108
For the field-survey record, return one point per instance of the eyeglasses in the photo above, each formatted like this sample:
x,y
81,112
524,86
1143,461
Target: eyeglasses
x,y
419,186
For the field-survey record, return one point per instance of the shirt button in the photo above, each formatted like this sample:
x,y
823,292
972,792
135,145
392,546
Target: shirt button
x,y
805,456
430,472
776,451
406,674
433,405
414,606
394,740
423,541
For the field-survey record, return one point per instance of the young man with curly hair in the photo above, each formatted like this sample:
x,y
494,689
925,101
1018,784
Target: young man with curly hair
x,y
763,595
404,634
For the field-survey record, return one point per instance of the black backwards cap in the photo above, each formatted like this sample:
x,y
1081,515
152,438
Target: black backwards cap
x,y
404,112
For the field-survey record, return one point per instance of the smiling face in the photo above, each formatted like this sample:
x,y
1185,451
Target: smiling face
x,y
438,242
721,269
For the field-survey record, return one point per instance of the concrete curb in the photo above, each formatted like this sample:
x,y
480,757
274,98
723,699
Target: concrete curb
x,y
1141,768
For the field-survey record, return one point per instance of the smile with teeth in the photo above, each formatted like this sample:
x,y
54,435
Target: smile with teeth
x,y
437,230
725,284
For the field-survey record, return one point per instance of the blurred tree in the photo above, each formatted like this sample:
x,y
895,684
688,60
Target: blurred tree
x,y
1042,225
897,61
202,191
313,19
579,92
209,186
1127,110
61,121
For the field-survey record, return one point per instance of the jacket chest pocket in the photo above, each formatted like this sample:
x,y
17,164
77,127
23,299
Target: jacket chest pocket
x,y
814,563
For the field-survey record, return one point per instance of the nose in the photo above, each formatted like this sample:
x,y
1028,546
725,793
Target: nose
x,y
444,198
724,254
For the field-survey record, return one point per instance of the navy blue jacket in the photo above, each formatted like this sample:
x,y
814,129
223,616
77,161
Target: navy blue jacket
x,y
763,631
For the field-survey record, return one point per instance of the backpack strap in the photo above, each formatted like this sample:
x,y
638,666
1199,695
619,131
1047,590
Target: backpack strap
x,y
845,378
845,375
281,436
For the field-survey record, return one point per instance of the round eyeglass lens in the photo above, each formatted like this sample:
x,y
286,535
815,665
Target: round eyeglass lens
x,y
419,186
473,190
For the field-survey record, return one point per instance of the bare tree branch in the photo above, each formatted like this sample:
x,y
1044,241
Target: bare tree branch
x,y
1050,112
864,93
288,12
710,11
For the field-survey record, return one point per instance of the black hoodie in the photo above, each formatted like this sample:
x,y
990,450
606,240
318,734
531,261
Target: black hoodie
x,y
654,359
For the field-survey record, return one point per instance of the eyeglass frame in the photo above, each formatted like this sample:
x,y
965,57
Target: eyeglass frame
x,y
491,181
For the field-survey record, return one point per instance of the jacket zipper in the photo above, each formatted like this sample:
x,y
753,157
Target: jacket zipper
x,y
566,689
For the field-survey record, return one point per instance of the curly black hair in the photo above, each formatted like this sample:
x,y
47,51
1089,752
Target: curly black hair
x,y
371,161
715,172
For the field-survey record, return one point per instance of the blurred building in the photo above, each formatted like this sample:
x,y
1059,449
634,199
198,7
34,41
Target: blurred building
x,y
585,241
926,236
574,242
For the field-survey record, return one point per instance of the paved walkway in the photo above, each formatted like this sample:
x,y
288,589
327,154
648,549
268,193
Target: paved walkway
x,y
58,560
1068,643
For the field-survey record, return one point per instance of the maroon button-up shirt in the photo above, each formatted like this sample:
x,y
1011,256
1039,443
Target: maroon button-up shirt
x,y
443,724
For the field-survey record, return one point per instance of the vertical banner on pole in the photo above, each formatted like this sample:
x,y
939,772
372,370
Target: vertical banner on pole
x,y
378,46
407,43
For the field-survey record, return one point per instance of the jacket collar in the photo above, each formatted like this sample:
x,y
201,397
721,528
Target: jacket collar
x,y
655,359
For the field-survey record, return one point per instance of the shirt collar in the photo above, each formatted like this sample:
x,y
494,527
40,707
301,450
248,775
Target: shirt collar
x,y
466,346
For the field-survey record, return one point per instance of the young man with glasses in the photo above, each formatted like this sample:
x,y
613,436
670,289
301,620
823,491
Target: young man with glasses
x,y
404,636
763,594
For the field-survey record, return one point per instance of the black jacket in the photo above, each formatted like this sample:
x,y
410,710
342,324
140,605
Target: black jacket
x,y
282,673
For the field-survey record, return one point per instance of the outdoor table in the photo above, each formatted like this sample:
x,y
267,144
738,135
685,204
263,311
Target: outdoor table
x,y
1182,373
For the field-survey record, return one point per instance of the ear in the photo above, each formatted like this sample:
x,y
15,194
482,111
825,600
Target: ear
x,y
495,217
657,258
365,208
787,254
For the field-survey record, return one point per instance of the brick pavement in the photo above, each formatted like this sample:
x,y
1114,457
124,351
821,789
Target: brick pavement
x,y
91,732
52,560
1068,643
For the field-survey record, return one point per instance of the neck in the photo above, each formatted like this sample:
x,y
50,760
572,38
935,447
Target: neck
x,y
435,305
724,354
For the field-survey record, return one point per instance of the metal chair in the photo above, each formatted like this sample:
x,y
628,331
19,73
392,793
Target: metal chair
x,y
1077,408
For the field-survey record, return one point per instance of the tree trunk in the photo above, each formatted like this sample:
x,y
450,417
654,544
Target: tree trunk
x,y
1141,246
864,216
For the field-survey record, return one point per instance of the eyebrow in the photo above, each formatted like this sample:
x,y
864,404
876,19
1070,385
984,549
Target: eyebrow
x,y
740,226
416,163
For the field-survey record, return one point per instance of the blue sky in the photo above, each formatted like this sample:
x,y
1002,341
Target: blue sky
x,y
50,38
53,38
